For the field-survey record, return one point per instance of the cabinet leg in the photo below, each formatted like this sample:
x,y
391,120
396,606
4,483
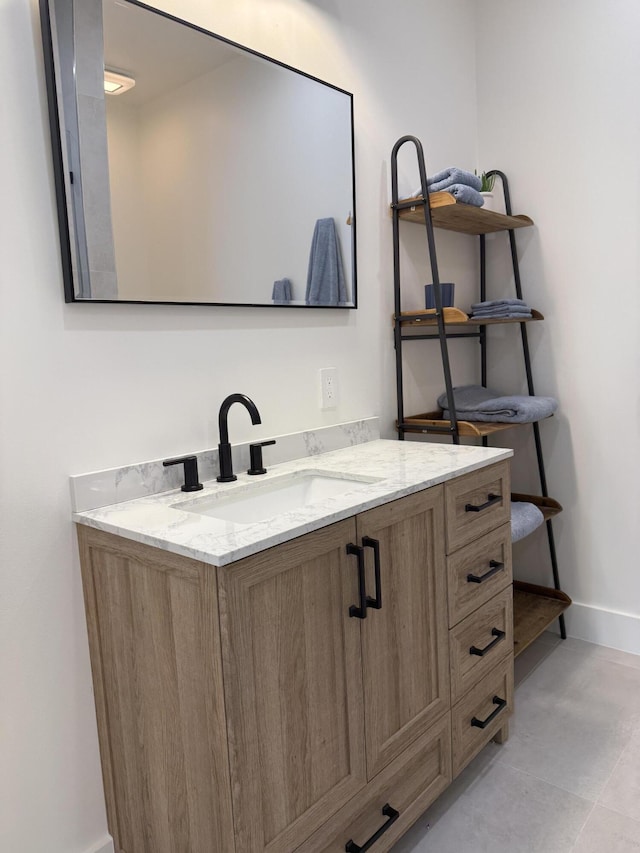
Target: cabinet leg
x,y
502,735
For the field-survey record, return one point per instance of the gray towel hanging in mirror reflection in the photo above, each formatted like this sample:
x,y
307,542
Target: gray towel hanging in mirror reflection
x,y
326,283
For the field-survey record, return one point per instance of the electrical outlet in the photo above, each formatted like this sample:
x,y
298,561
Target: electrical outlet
x,y
329,388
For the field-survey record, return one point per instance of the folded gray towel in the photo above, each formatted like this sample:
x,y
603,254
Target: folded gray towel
x,y
499,303
505,311
281,293
502,315
475,403
481,309
525,517
326,283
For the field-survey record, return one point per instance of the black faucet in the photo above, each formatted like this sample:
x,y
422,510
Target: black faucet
x,y
191,482
255,454
224,448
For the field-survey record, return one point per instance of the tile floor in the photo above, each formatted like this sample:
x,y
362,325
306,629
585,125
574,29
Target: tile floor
x,y
567,780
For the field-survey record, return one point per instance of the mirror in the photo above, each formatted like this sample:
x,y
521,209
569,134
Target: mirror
x,y
213,174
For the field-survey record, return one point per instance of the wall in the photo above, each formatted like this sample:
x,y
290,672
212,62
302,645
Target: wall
x,y
85,387
127,200
556,87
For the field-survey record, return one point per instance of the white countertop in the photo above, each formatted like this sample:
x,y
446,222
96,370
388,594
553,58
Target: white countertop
x,y
399,467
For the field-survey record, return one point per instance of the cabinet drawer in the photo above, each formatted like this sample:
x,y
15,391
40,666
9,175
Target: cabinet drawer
x,y
479,571
409,785
482,712
476,504
478,642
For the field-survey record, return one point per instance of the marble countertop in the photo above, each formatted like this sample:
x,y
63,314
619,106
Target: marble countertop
x,y
389,470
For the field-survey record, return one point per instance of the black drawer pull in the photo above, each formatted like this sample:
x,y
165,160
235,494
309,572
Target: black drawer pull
x,y
495,568
482,724
368,542
359,611
387,811
493,499
498,634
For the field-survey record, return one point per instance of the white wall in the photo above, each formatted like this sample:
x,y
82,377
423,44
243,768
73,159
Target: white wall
x,y
86,387
127,199
557,106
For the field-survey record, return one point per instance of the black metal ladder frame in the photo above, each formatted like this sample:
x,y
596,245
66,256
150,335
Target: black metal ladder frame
x,y
398,205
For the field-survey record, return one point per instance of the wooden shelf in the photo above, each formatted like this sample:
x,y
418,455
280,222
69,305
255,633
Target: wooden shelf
x,y
418,423
451,215
534,609
456,317
548,506
427,317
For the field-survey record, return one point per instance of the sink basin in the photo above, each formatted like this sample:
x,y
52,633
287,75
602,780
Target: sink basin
x,y
251,503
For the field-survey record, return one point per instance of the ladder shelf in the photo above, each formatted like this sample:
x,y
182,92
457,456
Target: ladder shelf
x,y
535,607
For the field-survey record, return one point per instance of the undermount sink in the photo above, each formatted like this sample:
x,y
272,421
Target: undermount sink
x,y
251,502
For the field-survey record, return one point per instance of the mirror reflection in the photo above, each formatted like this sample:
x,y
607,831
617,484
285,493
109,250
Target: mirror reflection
x,y
202,172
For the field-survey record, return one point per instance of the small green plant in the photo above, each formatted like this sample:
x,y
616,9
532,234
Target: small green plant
x,y
487,182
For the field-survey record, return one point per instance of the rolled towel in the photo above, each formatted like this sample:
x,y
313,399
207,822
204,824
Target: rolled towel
x,y
281,293
461,193
448,177
465,194
525,517
476,403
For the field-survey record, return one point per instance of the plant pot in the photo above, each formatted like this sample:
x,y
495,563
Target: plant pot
x,y
489,201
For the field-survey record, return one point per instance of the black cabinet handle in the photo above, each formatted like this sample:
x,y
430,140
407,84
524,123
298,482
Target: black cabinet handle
x,y
482,724
368,542
498,634
359,611
495,568
492,499
387,811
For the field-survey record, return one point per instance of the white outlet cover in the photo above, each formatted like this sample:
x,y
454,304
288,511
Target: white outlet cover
x,y
329,388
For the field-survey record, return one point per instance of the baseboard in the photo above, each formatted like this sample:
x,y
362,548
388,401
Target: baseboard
x,y
604,627
104,846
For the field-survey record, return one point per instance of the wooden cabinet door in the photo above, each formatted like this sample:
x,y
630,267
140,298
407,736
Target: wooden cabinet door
x,y
157,672
405,642
293,687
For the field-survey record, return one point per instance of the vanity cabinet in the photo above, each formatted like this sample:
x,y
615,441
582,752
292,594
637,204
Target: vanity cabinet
x,y
259,707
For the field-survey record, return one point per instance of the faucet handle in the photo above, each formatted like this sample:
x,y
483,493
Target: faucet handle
x,y
190,463
255,452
